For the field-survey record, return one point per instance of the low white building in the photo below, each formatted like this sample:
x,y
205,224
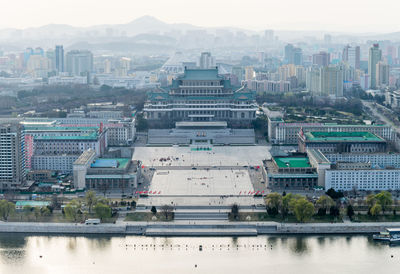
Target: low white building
x,y
62,163
361,171
68,80
380,160
364,179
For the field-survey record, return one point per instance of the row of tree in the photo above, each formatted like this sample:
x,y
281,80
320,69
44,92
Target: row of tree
x,y
75,209
378,203
299,206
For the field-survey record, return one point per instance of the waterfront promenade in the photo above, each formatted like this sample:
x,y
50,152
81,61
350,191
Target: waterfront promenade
x,y
196,228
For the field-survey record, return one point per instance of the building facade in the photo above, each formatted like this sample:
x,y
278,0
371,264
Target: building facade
x,y
12,162
286,133
375,55
341,142
292,172
202,95
362,179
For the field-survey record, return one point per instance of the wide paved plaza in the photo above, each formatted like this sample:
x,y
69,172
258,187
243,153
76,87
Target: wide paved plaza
x,y
211,182
218,156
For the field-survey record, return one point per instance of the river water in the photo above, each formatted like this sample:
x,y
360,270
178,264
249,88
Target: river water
x,y
21,253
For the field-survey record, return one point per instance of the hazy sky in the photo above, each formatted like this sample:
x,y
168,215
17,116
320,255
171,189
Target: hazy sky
x,y
339,15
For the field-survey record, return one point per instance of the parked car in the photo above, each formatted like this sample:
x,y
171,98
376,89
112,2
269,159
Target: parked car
x,y
92,222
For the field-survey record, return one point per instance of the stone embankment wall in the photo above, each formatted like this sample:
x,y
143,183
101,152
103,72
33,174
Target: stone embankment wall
x,y
196,228
62,228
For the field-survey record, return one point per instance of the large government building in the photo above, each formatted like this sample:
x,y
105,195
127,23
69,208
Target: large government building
x,y
202,95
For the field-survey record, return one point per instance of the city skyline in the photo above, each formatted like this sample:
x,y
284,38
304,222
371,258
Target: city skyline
x,y
258,15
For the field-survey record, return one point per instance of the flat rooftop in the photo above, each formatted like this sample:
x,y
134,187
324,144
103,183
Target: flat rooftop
x,y
85,157
83,136
287,162
319,136
110,163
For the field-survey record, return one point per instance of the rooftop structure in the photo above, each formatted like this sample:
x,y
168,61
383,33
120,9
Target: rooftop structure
x,y
110,163
294,171
292,162
333,142
280,132
341,136
201,134
21,204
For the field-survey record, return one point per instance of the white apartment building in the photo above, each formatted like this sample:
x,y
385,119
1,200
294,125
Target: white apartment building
x,y
12,162
365,179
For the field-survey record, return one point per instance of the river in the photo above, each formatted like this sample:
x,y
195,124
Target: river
x,y
32,254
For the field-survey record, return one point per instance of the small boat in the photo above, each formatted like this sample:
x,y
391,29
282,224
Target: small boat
x,y
382,236
391,235
395,239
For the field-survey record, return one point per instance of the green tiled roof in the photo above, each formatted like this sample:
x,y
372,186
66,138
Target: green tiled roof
x,y
32,203
286,162
162,96
60,128
84,136
122,162
341,136
200,74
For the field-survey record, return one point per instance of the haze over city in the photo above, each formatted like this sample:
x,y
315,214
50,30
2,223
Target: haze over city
x,y
339,16
199,136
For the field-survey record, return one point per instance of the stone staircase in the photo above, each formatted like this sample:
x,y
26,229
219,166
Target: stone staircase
x,y
200,215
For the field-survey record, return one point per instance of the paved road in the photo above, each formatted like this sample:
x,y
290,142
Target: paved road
x,y
382,117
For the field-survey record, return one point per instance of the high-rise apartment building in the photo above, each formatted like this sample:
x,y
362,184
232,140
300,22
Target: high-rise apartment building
x,y
79,62
12,161
59,56
325,81
297,56
293,55
206,60
382,74
332,81
351,55
288,58
248,73
375,55
321,59
269,35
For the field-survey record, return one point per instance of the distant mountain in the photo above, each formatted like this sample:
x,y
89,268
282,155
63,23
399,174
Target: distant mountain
x,y
146,30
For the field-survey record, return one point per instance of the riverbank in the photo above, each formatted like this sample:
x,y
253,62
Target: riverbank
x,y
195,228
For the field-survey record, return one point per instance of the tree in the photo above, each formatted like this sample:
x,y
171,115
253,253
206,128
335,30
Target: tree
x,y
45,211
384,199
102,211
103,187
54,202
36,212
235,211
323,203
6,209
167,211
153,210
334,211
72,210
303,209
371,200
273,202
286,200
350,211
27,211
334,194
376,209
90,199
